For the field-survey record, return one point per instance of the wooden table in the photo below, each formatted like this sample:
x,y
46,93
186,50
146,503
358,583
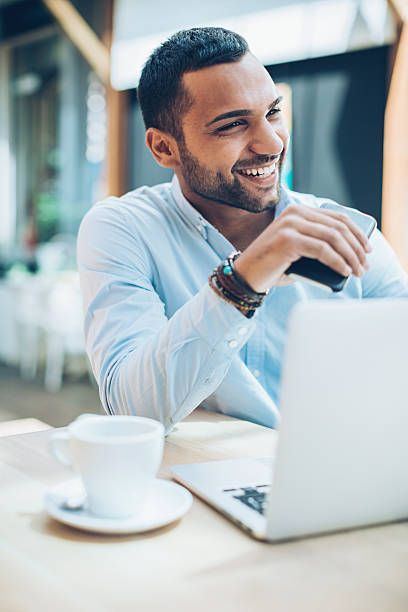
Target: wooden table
x,y
19,426
201,563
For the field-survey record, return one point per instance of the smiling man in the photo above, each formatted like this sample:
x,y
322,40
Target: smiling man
x,y
185,293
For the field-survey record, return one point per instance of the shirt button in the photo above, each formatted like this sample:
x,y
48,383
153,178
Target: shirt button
x,y
257,373
242,331
233,344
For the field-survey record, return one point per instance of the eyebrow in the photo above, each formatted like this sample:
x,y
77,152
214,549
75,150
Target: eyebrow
x,y
241,112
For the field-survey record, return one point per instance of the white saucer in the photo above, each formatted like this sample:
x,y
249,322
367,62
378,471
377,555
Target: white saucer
x,y
167,502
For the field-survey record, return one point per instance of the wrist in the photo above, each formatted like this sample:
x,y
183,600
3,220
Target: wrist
x,y
233,288
251,274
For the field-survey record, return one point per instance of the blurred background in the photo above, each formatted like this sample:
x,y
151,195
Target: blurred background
x,y
71,133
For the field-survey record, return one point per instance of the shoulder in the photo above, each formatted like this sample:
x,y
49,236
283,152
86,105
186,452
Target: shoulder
x,y
121,227
133,214
144,200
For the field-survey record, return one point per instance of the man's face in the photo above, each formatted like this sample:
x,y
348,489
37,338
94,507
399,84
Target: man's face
x,y
234,137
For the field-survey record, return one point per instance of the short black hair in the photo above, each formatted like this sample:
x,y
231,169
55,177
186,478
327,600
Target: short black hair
x,y
161,94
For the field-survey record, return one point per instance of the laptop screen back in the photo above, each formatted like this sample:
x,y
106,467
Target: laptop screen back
x,y
342,457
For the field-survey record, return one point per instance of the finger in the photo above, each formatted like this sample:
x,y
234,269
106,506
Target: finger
x,y
324,252
351,251
345,221
358,248
328,217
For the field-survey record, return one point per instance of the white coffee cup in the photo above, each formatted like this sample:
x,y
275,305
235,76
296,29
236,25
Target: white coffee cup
x,y
117,458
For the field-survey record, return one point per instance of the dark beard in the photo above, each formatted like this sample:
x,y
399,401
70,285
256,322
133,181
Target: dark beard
x,y
213,186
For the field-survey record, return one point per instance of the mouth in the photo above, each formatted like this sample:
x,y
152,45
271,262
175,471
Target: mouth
x,y
264,175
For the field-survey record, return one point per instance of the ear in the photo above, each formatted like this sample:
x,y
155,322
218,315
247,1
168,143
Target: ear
x,y
163,147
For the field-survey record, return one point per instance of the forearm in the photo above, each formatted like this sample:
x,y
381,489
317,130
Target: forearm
x,y
166,375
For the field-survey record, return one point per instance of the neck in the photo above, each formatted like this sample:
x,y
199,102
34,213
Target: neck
x,y
239,226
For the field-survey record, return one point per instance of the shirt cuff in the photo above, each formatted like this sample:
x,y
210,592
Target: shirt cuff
x,y
220,324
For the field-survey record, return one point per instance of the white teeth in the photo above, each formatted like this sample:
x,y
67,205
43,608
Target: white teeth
x,y
266,171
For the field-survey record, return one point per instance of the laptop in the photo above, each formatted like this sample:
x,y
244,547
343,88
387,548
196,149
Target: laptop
x,y
341,460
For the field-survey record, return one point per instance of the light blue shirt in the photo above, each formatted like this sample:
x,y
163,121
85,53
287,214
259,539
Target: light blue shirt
x,y
159,340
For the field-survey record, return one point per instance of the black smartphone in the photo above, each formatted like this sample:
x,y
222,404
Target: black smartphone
x,y
317,272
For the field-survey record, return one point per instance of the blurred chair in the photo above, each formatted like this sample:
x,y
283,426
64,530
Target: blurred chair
x,y
9,346
30,301
48,317
63,331
57,254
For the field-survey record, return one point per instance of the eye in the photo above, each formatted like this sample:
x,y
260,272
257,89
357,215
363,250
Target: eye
x,y
274,111
230,126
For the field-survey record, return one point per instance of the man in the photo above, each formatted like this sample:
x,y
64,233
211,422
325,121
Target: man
x,y
169,324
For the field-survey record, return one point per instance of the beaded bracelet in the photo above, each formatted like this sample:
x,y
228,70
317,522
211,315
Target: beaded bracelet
x,y
230,280
228,269
229,285
245,309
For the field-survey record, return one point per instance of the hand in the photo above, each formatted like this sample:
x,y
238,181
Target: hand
x,y
327,235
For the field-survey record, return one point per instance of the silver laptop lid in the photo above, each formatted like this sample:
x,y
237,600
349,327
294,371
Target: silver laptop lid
x,y
342,457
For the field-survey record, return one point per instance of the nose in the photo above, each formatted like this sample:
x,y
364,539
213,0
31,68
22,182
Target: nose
x,y
267,138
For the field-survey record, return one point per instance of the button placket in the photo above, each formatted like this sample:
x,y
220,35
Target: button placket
x,y
242,331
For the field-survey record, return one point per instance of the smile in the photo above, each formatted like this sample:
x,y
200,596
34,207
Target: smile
x,y
265,171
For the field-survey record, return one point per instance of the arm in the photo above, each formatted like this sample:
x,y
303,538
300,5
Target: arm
x,y
385,278
146,363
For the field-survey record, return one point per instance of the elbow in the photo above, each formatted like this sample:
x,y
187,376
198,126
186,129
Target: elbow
x,y
123,392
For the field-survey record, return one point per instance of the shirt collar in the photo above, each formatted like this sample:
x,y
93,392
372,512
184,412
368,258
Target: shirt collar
x,y
187,210
285,200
